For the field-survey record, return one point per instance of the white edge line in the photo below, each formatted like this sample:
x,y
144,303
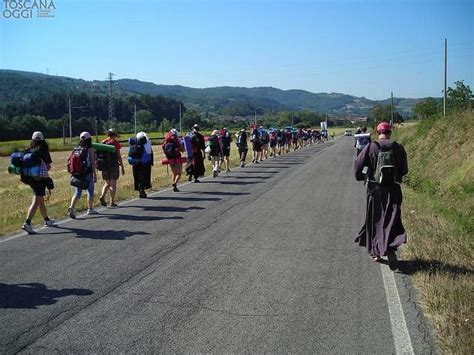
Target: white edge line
x,y
401,336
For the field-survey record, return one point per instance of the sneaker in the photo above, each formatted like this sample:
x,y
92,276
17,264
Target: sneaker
x,y
28,228
102,201
142,194
190,177
50,223
196,180
175,188
113,205
227,171
72,212
215,173
92,211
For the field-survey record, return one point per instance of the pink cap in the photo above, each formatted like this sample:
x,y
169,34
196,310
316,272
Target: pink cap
x,y
384,127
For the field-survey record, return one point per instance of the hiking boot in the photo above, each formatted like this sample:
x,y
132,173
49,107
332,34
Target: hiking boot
x,y
113,205
102,201
92,211
49,223
71,212
175,188
215,173
227,171
142,194
28,228
196,180
392,260
190,178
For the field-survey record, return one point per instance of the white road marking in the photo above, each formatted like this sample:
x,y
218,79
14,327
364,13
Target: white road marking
x,y
401,337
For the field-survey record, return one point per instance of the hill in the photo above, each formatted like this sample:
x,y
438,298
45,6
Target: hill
x,y
231,101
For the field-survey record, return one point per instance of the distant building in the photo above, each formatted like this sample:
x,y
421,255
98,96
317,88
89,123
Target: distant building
x,y
357,119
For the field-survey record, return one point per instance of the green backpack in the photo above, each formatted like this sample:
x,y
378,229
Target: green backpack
x,y
385,172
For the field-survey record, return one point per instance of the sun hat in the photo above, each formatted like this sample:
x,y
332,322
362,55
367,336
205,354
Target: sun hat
x,y
84,136
215,132
384,127
37,136
174,132
196,126
111,132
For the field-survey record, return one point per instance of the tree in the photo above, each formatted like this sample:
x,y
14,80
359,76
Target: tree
x,y
190,118
426,108
381,112
460,98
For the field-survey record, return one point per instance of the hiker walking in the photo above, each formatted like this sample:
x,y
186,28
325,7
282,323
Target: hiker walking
x,y
215,152
198,147
110,164
256,145
242,146
382,164
39,147
140,156
81,165
226,139
362,139
173,148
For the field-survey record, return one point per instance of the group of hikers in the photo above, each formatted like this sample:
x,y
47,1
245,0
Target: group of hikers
x,y
381,164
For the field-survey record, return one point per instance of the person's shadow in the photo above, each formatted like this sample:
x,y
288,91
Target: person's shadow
x,y
410,267
32,295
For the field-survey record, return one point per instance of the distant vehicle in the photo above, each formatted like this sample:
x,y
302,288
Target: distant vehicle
x,y
348,132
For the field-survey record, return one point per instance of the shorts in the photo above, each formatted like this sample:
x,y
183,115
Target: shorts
x,y
226,152
112,174
273,144
257,146
90,186
39,188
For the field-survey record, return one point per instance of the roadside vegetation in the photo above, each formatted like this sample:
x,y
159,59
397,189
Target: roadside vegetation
x,y
439,217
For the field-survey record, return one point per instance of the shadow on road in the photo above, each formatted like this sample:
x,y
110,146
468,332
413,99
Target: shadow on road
x,y
108,234
410,267
186,199
221,193
246,171
251,177
169,209
31,295
231,182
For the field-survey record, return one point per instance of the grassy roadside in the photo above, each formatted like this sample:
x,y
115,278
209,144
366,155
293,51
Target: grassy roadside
x,y
438,213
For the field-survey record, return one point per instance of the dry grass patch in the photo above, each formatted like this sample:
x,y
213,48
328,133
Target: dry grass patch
x,y
438,213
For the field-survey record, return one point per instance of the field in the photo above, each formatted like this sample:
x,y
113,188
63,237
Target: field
x,y
17,196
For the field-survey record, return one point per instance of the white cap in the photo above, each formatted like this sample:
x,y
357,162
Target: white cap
x,y
84,136
174,132
141,135
38,136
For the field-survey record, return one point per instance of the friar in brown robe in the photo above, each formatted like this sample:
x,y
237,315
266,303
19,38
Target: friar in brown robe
x,y
383,230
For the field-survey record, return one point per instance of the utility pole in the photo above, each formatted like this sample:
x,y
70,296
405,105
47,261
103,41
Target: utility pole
x,y
445,74
135,116
255,120
111,101
391,110
180,117
70,120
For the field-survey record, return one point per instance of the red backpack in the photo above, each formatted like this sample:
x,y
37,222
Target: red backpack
x,y
78,162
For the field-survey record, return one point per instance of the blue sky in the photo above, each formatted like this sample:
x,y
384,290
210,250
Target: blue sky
x,y
364,48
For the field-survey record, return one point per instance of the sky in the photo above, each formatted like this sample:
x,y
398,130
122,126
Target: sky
x,y
364,48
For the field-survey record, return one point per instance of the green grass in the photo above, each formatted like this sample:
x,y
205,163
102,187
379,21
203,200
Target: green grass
x,y
438,213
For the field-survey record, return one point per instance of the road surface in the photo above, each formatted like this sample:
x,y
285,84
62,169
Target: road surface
x,y
259,260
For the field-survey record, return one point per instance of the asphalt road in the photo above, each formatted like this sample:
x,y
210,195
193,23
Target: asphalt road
x,y
259,260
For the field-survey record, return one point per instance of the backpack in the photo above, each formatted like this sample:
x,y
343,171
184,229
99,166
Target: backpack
x,y
361,142
105,160
135,152
255,135
170,150
242,139
79,163
385,171
27,163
